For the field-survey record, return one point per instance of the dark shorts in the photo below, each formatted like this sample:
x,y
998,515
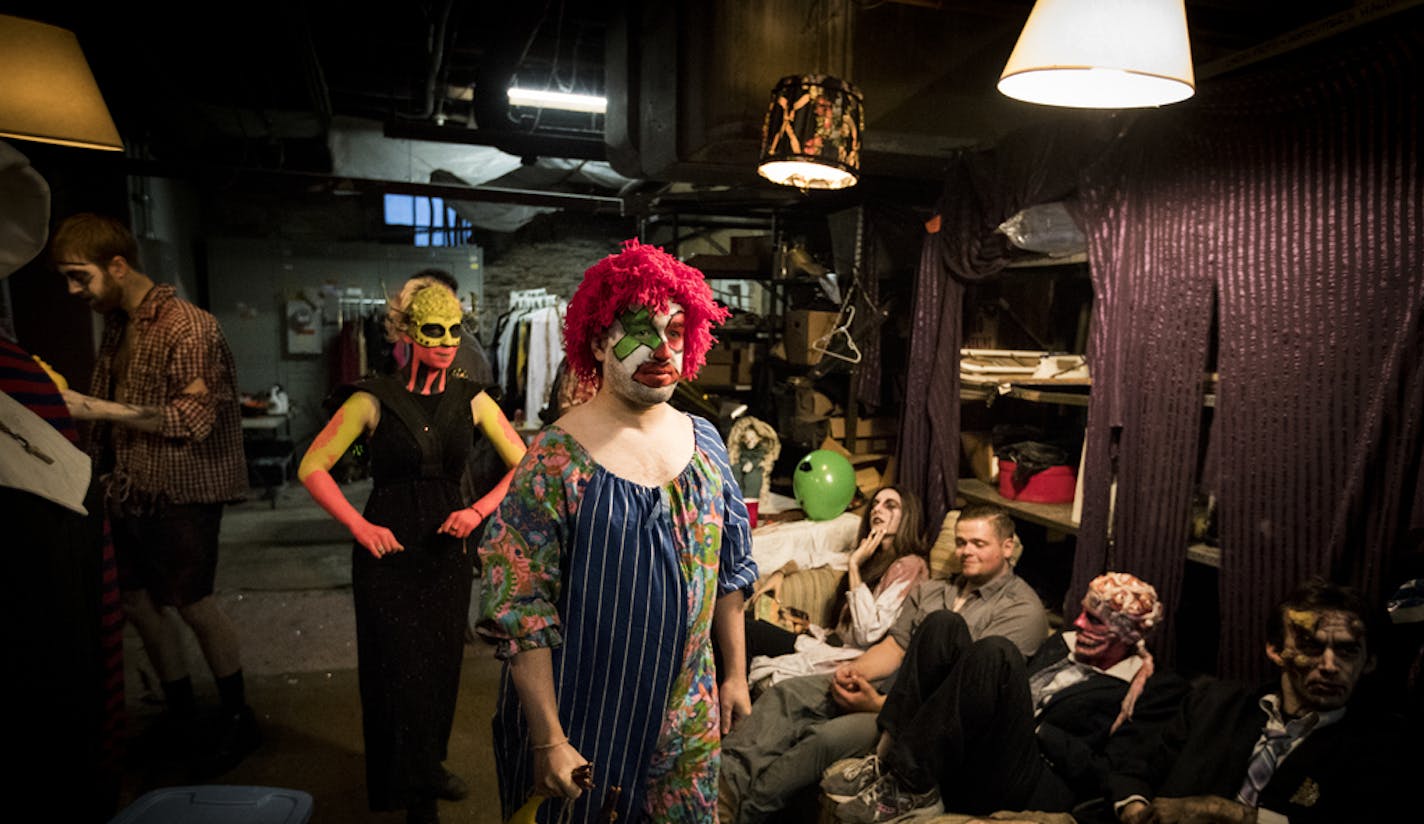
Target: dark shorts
x,y
172,553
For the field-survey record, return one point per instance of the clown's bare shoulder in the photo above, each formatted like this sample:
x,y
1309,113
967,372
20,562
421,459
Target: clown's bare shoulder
x,y
650,449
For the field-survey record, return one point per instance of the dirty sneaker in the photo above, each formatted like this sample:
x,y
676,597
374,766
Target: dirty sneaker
x,y
887,800
846,778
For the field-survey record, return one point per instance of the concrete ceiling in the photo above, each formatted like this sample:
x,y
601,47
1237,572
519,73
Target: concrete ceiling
x,y
261,91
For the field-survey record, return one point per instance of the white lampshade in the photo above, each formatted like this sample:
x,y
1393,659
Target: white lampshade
x,y
1102,54
47,92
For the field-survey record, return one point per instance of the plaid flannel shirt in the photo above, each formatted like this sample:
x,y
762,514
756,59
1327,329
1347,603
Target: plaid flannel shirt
x,y
197,456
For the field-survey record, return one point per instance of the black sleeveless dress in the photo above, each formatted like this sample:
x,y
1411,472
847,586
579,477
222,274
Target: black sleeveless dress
x,y
412,606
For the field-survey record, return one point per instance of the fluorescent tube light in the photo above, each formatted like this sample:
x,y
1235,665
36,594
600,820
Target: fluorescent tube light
x,y
558,100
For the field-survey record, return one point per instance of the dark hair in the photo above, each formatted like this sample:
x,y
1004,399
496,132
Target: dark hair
x,y
1003,523
909,539
94,238
440,275
1319,594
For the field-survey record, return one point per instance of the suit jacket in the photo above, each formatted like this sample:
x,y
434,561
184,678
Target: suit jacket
x,y
1073,727
1347,771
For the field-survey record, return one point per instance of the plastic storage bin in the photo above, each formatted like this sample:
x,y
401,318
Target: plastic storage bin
x,y
1054,485
218,804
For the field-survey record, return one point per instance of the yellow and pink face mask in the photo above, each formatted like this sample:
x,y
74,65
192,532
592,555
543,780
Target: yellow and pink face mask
x,y
433,318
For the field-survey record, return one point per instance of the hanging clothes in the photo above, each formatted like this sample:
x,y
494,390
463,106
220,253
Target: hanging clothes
x,y
528,346
541,365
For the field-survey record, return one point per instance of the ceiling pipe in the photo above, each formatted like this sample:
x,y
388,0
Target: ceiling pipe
x,y
519,144
236,177
437,62
1326,27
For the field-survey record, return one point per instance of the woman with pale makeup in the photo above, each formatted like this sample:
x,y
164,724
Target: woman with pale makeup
x,y
411,573
890,557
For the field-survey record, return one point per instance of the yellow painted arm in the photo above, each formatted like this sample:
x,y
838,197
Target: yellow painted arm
x,y
507,443
358,415
489,418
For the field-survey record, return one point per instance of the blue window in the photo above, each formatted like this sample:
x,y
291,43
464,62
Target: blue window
x,y
435,224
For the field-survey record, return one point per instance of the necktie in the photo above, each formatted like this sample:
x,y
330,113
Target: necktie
x,y
1264,758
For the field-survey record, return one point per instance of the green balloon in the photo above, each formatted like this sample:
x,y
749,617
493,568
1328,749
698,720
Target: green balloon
x,y
824,483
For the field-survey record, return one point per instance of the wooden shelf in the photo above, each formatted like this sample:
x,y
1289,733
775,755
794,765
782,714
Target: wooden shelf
x,y
1053,516
1205,554
988,392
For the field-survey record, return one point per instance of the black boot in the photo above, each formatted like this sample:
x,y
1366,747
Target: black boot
x,y
235,737
452,787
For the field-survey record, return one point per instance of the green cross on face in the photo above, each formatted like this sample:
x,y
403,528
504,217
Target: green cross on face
x,y
638,331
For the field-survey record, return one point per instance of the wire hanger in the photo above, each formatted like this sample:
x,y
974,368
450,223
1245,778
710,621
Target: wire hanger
x,y
842,327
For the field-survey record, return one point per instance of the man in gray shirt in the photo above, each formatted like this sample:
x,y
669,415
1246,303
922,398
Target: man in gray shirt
x,y
802,725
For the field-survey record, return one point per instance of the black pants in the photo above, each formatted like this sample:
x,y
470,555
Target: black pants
x,y
761,638
960,715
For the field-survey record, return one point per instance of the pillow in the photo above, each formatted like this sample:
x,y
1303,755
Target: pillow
x,y
943,560
813,590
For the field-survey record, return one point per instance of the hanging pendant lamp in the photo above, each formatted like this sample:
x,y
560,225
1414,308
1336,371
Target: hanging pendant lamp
x,y
810,138
1102,54
48,93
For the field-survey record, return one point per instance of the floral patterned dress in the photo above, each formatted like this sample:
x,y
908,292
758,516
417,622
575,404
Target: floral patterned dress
x,y
620,580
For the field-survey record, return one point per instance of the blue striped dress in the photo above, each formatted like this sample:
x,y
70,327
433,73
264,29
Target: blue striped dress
x,y
620,580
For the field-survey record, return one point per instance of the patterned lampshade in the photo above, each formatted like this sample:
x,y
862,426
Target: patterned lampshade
x,y
811,136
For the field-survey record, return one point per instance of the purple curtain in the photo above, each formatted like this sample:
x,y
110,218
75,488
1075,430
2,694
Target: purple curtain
x,y
1292,199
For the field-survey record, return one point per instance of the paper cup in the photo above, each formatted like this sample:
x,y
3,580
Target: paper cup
x,y
751,510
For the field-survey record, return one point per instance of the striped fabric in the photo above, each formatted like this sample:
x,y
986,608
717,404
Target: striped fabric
x,y
1286,203
22,379
621,580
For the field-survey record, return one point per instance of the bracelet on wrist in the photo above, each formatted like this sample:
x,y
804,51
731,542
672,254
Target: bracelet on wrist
x,y
550,746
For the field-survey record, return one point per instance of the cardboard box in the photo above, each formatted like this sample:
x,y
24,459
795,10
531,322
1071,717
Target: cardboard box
x,y
812,404
715,374
758,247
721,354
803,328
745,361
728,366
866,428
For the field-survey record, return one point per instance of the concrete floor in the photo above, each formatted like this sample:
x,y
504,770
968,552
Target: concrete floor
x,y
284,577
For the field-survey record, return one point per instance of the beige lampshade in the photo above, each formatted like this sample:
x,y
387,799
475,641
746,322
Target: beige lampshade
x,y
1102,54
47,92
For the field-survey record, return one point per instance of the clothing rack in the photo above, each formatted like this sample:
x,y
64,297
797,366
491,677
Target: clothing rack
x,y
526,350
521,299
353,303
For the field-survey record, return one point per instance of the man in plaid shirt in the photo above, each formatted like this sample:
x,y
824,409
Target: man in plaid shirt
x,y
166,440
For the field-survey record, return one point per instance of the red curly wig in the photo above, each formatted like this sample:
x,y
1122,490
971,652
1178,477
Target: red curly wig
x,y
639,276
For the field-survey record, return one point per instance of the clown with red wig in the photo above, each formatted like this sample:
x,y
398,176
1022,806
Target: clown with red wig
x,y
621,554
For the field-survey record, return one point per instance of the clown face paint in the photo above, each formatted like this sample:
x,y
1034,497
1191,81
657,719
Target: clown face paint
x,y
642,358
1321,660
639,336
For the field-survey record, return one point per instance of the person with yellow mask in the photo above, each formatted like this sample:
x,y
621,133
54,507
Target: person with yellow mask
x,y
411,575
